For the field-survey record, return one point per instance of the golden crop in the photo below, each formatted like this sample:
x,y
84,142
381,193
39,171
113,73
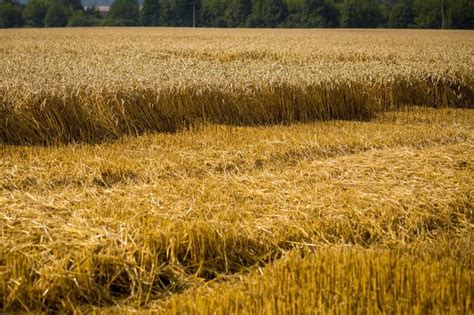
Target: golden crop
x,y
371,214
90,85
135,221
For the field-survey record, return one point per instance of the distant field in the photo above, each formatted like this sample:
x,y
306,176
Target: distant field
x,y
302,171
95,84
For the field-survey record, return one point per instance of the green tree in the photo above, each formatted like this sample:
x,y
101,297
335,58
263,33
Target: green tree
x,y
267,13
428,13
167,13
93,12
401,14
124,12
55,16
35,12
320,13
73,5
237,12
184,11
212,13
178,12
460,14
81,19
151,12
10,15
296,13
361,14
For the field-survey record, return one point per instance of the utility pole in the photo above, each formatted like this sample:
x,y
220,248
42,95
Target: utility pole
x,y
443,25
194,14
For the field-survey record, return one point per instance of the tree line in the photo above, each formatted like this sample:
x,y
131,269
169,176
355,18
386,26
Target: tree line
x,y
457,14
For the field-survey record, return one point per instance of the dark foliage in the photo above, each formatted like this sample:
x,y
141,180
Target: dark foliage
x,y
454,14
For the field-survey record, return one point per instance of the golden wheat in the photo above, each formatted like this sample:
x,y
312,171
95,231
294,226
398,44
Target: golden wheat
x,y
342,281
129,223
373,214
90,85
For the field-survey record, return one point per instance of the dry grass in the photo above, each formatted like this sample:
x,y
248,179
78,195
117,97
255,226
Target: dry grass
x,y
61,86
366,216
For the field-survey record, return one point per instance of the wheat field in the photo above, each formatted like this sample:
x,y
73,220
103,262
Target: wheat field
x,y
180,171
61,86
